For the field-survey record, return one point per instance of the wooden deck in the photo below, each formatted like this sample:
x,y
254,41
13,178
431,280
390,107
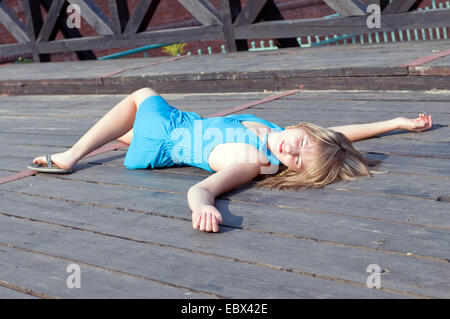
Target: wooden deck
x,y
130,231
360,67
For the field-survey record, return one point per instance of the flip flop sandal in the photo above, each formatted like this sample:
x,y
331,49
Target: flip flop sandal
x,y
50,168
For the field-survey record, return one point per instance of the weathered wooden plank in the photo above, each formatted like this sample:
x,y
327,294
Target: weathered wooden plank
x,y
16,48
411,148
397,6
347,8
396,96
349,25
238,244
44,139
13,24
403,185
205,272
433,167
157,37
132,227
6,293
203,11
141,16
242,85
48,275
94,16
286,218
162,180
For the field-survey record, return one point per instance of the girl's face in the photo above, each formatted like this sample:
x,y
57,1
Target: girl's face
x,y
294,148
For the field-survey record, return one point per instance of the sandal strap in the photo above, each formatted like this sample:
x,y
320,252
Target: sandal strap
x,y
49,161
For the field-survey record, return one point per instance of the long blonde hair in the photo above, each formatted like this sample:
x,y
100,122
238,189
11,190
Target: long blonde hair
x,y
337,161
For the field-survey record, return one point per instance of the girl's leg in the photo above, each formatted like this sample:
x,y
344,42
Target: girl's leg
x,y
116,124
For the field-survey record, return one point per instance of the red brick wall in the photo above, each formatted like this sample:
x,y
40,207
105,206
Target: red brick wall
x,y
171,14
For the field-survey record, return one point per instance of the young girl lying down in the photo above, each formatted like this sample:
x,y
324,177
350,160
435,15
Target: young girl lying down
x,y
237,148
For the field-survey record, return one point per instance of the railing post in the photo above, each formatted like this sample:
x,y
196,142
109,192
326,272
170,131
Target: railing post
x,y
227,21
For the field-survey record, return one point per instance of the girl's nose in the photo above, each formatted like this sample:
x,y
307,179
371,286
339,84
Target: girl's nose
x,y
290,149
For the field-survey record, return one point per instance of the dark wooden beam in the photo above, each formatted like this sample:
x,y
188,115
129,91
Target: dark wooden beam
x,y
34,25
227,26
347,8
51,24
397,6
270,12
235,9
250,12
141,16
94,16
203,11
13,24
384,4
120,15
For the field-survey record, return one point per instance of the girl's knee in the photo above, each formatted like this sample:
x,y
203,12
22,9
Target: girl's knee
x,y
141,94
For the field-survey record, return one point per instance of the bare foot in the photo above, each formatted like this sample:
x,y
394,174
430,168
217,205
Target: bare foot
x,y
62,160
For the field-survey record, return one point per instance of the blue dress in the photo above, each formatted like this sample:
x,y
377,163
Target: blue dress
x,y
164,136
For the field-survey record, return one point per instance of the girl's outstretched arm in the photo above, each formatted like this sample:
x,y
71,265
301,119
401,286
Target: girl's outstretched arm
x,y
358,132
201,197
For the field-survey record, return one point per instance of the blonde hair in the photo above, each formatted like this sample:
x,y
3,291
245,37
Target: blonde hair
x,y
337,161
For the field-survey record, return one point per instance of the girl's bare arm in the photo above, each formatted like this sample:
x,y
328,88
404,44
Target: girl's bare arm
x,y
201,197
356,132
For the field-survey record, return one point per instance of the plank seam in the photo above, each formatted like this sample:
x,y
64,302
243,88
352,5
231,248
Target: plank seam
x,y
234,259
337,188
426,59
24,290
110,270
237,200
137,211
140,67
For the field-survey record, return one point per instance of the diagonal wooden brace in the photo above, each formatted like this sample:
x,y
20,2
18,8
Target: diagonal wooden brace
x,y
347,8
203,11
13,24
398,6
94,16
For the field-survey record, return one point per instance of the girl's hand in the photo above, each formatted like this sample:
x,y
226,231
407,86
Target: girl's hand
x,y
206,218
420,124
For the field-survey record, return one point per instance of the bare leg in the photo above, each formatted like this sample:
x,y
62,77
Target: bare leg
x,y
116,124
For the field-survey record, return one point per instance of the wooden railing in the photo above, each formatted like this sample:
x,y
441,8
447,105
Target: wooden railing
x,y
231,23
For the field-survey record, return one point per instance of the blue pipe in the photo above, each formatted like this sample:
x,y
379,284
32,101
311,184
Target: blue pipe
x,y
132,51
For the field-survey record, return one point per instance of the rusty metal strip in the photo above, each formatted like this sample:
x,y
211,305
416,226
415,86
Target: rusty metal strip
x,y
17,176
117,145
427,59
249,105
142,66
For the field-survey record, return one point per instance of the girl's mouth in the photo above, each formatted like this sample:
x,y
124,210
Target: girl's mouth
x,y
281,147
